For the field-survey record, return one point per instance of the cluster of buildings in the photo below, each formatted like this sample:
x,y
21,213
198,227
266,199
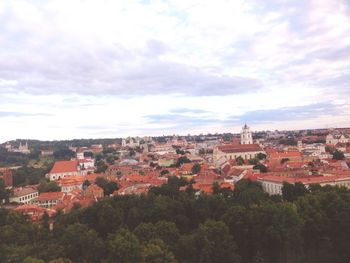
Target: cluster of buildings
x,y
211,160
22,148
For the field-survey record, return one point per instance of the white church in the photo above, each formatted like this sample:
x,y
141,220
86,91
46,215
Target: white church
x,y
247,149
246,135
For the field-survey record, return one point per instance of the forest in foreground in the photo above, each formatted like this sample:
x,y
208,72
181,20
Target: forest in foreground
x,y
168,225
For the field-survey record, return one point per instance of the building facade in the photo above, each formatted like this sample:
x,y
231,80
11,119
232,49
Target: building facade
x,y
246,135
24,195
273,184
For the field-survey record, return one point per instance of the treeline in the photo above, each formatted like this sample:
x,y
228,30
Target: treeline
x,y
50,145
244,225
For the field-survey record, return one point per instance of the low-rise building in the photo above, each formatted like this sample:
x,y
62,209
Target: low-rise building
x,y
62,169
50,199
337,137
94,191
70,183
34,213
24,195
272,184
233,151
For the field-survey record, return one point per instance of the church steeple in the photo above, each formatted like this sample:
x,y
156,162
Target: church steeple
x,y
246,135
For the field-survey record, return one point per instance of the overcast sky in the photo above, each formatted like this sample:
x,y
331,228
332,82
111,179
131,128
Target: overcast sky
x,y
92,69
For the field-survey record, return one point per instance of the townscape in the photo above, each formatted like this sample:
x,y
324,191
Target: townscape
x,y
133,166
171,131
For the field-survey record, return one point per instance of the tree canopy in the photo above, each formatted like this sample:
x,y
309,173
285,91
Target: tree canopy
x,y
168,225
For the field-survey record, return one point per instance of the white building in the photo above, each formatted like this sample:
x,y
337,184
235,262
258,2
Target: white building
x,y
71,183
334,138
247,150
86,164
246,135
50,199
62,169
273,185
24,195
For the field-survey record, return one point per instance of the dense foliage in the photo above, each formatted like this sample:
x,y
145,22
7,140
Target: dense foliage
x,y
244,225
27,175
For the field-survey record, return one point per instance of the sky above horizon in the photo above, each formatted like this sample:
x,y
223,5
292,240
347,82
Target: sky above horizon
x,y
116,68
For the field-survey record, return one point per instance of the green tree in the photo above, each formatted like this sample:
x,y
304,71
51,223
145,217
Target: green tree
x,y
261,156
82,244
86,184
254,161
247,193
4,193
239,160
124,247
215,244
32,260
155,251
110,159
63,154
111,187
145,232
46,186
275,232
182,160
61,260
338,155
291,192
196,168
108,186
168,232
284,160
163,172
262,168
101,167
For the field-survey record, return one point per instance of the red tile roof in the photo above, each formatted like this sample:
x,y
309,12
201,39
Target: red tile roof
x,y
50,196
71,180
286,154
238,148
64,167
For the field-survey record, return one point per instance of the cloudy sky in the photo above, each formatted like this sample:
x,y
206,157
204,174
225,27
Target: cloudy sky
x,y
113,68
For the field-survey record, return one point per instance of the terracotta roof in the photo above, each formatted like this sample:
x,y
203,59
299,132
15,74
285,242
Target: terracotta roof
x,y
227,185
94,189
50,196
24,191
64,167
71,180
238,148
29,207
204,187
286,154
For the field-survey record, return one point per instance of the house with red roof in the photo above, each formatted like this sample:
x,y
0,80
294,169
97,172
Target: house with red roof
x,y
135,189
24,195
94,191
280,155
62,169
228,152
69,183
50,199
34,212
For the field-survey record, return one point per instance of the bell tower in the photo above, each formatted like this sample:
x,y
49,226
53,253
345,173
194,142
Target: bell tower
x,y
246,135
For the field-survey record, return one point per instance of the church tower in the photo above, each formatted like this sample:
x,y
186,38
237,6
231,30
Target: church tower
x,y
246,135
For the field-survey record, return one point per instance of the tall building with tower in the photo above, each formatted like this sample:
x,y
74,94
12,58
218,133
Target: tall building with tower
x,y
246,149
246,135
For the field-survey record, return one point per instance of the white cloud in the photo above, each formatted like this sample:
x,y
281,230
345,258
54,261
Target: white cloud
x,y
128,59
